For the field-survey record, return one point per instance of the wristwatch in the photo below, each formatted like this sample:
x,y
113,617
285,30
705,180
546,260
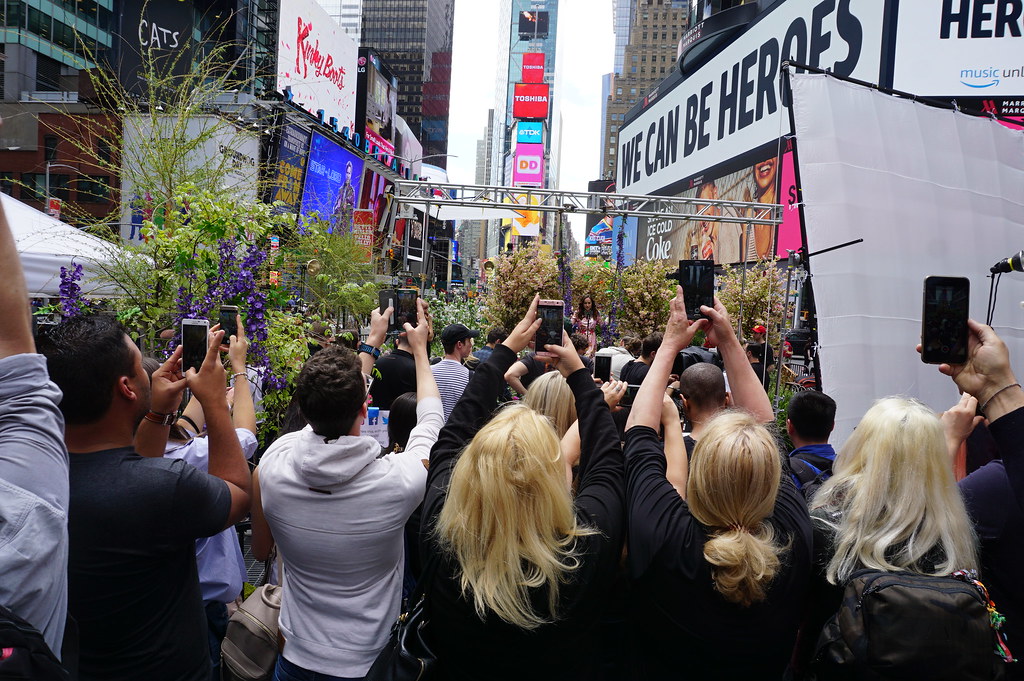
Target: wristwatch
x,y
162,419
369,349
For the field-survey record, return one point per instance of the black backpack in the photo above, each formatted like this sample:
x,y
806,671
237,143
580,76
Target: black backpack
x,y
899,625
808,477
24,653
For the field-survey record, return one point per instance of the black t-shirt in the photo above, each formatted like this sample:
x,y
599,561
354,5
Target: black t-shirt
x,y
634,372
394,374
681,626
132,584
535,368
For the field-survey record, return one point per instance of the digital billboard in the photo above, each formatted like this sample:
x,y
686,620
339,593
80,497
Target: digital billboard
x,y
533,67
291,164
530,100
331,189
316,61
528,166
377,105
529,132
533,24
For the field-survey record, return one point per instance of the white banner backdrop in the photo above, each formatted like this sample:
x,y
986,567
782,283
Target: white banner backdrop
x,y
931,192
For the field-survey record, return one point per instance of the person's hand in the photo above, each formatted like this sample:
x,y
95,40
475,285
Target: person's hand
x,y
238,348
669,411
379,326
679,331
960,420
168,385
419,335
614,391
567,359
430,319
525,330
987,369
208,384
719,329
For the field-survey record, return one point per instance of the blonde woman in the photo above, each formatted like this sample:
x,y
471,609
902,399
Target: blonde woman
x,y
891,504
719,577
523,567
551,396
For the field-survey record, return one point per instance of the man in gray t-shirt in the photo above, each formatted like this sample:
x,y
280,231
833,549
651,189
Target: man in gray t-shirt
x,y
33,466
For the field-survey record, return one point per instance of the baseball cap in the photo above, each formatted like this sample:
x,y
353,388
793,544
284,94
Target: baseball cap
x,y
760,329
453,333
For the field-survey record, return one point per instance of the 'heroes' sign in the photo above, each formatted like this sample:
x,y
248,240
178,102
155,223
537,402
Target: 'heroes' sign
x,y
732,103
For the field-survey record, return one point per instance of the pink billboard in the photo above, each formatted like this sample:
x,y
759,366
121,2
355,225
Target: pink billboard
x,y
528,165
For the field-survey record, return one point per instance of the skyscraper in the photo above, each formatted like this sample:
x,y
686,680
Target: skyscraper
x,y
347,13
414,37
649,56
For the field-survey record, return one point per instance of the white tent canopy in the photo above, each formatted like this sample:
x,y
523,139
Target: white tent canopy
x,y
46,244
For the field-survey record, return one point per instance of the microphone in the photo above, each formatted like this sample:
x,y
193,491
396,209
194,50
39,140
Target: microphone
x,y
1012,264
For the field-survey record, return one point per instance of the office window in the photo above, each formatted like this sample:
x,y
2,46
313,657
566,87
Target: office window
x,y
32,186
7,183
94,189
50,147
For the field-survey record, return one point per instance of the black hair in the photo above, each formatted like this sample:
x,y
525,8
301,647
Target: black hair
x,y
703,386
401,421
813,414
331,391
651,344
86,356
756,350
579,341
496,335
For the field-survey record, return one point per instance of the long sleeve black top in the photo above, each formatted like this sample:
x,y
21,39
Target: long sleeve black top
x,y
471,648
682,627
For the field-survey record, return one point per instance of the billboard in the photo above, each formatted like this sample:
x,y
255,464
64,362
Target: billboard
x,y
530,100
527,223
331,189
731,104
528,166
291,164
533,24
161,29
529,132
216,151
533,67
377,105
316,60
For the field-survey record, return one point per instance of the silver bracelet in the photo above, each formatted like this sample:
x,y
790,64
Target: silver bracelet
x,y
989,400
240,373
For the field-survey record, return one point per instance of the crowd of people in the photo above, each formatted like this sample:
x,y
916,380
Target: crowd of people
x,y
586,531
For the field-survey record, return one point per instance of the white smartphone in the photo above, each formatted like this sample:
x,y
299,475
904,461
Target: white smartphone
x,y
195,335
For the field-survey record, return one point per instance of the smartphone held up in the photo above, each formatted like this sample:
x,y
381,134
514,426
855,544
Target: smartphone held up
x,y
552,316
944,317
194,339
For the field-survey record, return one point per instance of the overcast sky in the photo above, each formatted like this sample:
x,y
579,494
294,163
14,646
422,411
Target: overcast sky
x,y
586,46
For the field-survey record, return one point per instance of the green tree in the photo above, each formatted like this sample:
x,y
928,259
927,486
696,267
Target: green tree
x,y
593,278
645,295
516,279
756,297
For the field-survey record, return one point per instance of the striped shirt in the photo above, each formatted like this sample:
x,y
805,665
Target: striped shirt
x,y
452,378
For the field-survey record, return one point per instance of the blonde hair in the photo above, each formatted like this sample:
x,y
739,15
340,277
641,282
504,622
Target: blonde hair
x,y
892,500
509,520
733,484
551,396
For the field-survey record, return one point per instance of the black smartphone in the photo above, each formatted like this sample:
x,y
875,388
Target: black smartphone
x,y
552,315
194,341
386,299
603,368
697,277
627,399
406,309
229,321
944,320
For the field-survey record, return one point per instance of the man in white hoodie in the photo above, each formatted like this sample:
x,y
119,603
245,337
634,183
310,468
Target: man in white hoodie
x,y
337,512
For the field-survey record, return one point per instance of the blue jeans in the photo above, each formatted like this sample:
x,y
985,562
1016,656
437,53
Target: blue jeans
x,y
217,625
287,671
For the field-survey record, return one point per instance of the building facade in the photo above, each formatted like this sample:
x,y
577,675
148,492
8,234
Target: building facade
x,y
649,56
415,38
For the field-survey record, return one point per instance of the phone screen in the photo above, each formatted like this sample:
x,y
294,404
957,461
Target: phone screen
x,y
627,399
552,315
228,321
697,277
194,333
386,299
406,310
603,368
944,320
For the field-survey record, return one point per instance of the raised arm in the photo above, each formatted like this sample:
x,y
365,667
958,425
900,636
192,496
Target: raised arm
x,y
429,412
227,461
677,466
378,333
514,377
745,385
166,385
16,329
243,412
